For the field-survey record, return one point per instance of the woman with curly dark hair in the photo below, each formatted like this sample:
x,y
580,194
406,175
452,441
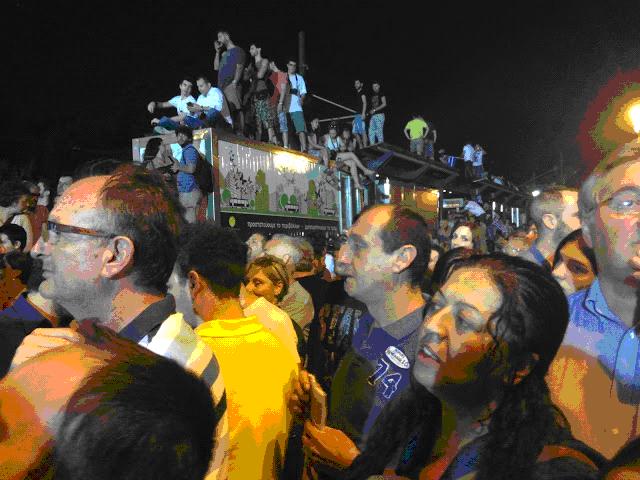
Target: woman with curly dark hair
x,y
479,405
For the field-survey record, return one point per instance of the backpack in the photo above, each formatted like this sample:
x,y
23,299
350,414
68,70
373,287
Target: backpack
x,y
203,174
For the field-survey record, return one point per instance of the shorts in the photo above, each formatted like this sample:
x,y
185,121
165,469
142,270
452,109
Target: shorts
x,y
315,153
233,94
282,122
358,125
298,121
264,113
415,143
428,150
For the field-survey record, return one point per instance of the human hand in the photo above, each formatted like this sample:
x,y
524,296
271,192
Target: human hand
x,y
217,45
151,107
193,108
329,445
42,340
299,401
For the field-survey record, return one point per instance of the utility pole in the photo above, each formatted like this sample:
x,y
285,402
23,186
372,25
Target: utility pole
x,y
302,66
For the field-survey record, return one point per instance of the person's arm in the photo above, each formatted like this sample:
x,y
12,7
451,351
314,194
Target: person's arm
x,y
364,106
425,131
197,108
383,104
283,91
435,136
216,60
153,105
406,133
191,159
302,90
239,67
262,71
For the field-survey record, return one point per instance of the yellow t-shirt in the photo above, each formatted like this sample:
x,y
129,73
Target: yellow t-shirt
x,y
258,372
416,128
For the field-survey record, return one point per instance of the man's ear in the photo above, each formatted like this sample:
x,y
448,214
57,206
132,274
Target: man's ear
x,y
17,245
550,221
118,258
195,283
404,256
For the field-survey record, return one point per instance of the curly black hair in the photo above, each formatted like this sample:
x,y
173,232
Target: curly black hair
x,y
530,323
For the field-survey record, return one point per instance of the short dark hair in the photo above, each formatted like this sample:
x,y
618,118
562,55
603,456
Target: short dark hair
x,y
15,233
550,200
137,406
188,79
224,31
185,131
19,261
408,227
202,76
216,253
141,207
11,191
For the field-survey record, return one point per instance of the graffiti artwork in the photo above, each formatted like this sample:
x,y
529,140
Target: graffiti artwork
x,y
274,182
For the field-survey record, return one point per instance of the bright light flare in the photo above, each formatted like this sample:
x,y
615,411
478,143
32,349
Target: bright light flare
x,y
535,193
290,162
634,117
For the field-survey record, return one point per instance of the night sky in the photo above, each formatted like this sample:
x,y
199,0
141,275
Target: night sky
x,y
516,79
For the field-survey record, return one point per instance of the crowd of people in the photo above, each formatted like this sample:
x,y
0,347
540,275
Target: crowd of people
x,y
137,344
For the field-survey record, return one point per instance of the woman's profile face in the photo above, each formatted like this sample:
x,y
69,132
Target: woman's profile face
x,y
462,237
261,286
573,271
454,338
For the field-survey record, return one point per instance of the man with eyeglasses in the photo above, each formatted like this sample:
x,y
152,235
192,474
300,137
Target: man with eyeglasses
x,y
107,251
595,378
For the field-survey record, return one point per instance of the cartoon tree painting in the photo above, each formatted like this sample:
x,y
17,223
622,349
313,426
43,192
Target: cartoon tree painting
x,y
226,196
262,194
284,200
312,199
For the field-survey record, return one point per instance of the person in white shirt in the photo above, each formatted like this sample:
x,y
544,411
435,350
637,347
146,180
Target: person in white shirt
x,y
467,154
211,103
297,90
478,154
179,102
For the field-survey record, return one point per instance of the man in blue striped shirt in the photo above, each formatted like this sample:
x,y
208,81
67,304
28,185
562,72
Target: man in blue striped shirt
x,y
107,252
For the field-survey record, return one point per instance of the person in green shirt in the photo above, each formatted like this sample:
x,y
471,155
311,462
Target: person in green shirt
x,y
416,131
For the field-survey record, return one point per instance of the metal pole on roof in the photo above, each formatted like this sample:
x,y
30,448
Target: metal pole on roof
x,y
333,103
336,118
302,66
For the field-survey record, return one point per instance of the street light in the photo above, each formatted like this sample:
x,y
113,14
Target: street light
x,y
535,193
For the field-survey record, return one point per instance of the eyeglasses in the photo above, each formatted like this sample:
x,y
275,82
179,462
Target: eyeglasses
x,y
51,230
623,203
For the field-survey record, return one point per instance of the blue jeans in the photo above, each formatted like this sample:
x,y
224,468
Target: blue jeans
x,y
195,122
166,122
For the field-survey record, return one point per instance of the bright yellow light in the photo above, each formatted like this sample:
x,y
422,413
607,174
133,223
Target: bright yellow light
x,y
290,162
634,116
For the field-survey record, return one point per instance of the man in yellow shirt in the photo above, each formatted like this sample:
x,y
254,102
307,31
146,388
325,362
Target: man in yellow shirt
x,y
258,369
416,131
